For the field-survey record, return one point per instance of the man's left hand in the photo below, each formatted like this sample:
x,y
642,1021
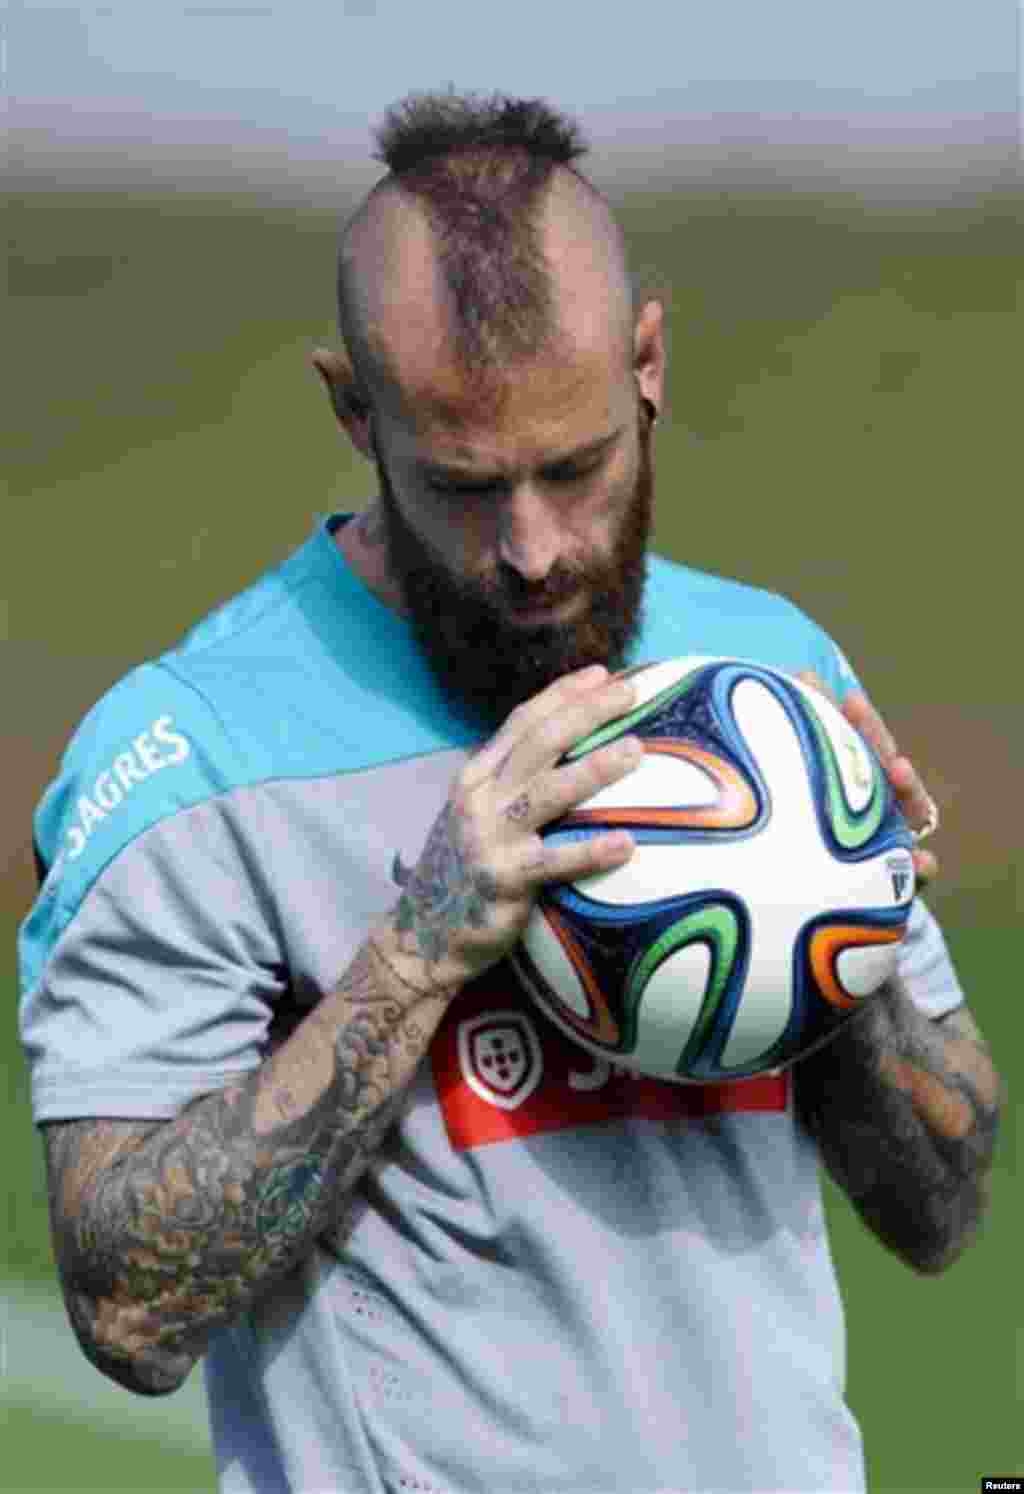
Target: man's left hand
x,y
915,802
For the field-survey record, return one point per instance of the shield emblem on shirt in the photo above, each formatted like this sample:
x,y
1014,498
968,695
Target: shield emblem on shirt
x,y
500,1057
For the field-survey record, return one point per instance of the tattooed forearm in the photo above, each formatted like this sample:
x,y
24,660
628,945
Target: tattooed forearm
x,y
166,1231
906,1112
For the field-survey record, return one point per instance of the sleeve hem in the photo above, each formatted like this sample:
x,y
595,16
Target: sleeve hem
x,y
936,1010
937,1006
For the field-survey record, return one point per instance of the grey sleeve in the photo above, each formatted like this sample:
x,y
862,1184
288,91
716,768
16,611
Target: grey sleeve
x,y
162,985
925,967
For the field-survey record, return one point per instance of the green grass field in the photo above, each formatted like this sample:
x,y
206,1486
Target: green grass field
x,y
842,426
46,1453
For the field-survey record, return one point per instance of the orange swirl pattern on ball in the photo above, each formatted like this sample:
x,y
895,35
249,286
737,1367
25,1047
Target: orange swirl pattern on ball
x,y
602,1026
827,944
735,808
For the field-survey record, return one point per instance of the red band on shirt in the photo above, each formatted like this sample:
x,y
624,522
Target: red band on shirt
x,y
503,1071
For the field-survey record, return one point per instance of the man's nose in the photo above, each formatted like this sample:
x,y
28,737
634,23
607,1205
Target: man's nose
x,y
529,539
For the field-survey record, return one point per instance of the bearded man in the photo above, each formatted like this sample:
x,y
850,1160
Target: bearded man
x,y
318,1136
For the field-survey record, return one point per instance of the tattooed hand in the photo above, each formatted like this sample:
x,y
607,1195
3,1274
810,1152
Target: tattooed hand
x,y
467,900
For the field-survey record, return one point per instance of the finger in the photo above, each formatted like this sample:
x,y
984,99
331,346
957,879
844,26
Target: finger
x,y
916,804
492,757
572,861
550,795
862,715
549,738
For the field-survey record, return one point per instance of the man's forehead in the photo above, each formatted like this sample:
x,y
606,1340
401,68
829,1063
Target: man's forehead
x,y
549,406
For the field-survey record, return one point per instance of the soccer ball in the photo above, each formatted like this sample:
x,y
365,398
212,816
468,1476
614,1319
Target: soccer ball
x,y
770,887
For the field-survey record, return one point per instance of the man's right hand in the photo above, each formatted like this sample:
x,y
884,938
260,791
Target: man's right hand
x,y
466,902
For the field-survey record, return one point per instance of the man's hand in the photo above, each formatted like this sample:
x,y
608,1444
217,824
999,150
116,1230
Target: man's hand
x,y
467,901
905,1109
914,800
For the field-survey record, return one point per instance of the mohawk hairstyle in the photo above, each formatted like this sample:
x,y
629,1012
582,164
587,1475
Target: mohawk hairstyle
x,y
425,125
479,167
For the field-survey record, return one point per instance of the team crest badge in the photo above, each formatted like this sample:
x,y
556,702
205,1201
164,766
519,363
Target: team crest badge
x,y
500,1057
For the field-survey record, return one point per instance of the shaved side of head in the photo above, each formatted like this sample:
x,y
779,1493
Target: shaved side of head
x,y
586,256
389,289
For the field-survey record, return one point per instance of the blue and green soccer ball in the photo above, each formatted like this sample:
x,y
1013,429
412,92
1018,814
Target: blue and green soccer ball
x,y
768,894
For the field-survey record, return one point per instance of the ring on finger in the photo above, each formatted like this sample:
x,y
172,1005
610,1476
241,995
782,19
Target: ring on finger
x,y
930,825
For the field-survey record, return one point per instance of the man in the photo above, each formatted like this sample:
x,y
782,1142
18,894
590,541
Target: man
x,y
273,1136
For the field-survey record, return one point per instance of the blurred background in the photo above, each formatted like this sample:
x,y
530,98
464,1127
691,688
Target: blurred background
x,y
830,201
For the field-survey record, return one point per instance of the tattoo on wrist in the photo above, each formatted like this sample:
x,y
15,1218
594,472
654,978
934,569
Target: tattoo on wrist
x,y
444,892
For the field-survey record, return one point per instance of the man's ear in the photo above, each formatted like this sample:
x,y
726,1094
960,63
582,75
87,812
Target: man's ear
x,y
649,354
350,404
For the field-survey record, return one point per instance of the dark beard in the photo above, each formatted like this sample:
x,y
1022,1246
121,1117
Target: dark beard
x,y
488,662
